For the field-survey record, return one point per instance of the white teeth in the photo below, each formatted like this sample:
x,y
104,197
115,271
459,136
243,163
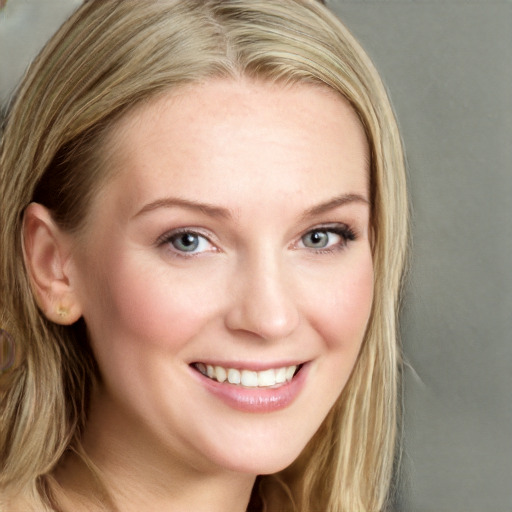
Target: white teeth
x,y
290,372
248,378
267,378
280,375
221,373
233,376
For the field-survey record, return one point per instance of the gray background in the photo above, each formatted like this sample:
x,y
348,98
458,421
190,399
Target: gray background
x,y
448,65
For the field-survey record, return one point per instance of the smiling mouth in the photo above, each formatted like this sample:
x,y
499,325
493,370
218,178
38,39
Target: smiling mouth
x,y
271,378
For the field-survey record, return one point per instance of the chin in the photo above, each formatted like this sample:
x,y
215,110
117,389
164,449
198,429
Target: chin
x,y
260,458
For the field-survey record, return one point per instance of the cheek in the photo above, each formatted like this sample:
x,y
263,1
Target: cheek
x,y
341,312
146,306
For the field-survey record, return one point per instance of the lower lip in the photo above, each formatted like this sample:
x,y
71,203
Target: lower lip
x,y
256,400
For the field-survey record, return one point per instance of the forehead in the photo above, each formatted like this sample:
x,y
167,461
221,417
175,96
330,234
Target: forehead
x,y
226,138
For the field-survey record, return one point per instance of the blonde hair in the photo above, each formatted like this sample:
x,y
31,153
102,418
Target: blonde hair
x,y
109,56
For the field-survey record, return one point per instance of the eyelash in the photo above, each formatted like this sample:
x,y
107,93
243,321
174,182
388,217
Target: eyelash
x,y
346,233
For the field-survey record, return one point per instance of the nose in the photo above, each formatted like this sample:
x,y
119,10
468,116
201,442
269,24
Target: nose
x,y
262,302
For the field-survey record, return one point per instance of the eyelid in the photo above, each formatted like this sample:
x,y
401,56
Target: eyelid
x,y
345,231
167,236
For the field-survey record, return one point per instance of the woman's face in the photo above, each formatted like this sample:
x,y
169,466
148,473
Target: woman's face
x,y
231,244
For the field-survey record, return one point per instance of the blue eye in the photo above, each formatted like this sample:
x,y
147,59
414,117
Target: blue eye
x,y
317,239
327,237
187,242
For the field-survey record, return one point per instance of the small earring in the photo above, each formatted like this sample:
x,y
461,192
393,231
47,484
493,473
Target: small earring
x,y
62,312
7,351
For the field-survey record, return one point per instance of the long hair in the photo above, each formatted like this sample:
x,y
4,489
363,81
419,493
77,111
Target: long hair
x,y
109,56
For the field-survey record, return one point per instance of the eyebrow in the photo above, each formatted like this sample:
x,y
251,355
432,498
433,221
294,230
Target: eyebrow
x,y
217,211
173,202
333,203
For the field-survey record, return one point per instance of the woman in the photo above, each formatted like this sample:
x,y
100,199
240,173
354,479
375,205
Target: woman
x,y
203,245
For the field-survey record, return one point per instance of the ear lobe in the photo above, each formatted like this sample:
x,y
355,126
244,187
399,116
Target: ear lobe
x,y
47,251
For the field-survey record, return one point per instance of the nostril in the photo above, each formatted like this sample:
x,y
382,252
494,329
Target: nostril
x,y
262,302
268,322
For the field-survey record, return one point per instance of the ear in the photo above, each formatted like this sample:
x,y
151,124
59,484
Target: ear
x,y
47,253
